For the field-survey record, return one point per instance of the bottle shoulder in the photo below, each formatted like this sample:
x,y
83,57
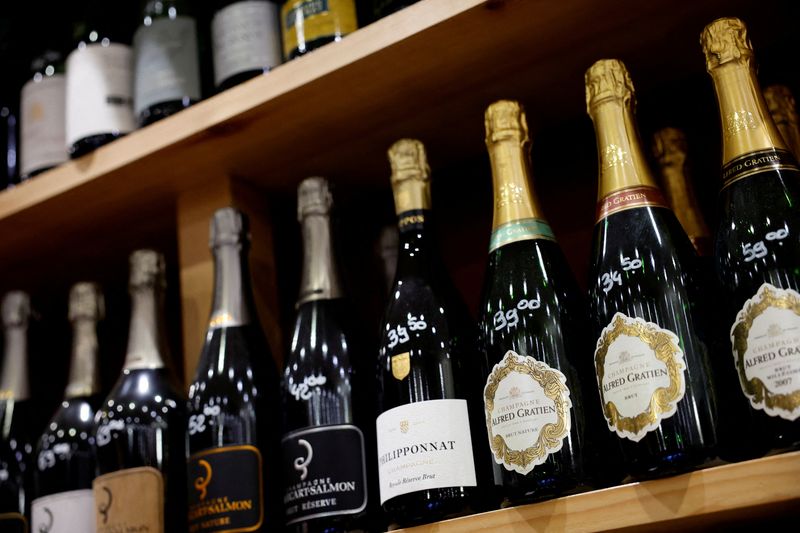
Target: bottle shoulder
x,y
142,395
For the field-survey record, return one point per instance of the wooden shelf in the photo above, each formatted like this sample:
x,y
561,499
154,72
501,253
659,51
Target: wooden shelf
x,y
698,500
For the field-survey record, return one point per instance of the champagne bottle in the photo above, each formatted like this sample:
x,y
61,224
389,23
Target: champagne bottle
x,y
17,431
532,322
323,448
384,8
9,142
757,250
306,24
65,455
670,151
140,428
99,83
166,60
783,110
42,108
651,360
387,251
246,40
234,424
430,422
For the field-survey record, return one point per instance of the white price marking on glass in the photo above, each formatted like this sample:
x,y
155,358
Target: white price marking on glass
x,y
758,249
630,264
399,335
609,279
509,319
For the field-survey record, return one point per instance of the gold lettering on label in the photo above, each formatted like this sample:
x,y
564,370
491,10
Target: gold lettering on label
x,y
739,121
614,156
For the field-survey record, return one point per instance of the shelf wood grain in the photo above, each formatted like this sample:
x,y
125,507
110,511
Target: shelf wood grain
x,y
699,500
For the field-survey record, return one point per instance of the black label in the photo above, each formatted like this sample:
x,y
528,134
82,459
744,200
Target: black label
x,y
413,219
324,472
13,523
756,162
225,490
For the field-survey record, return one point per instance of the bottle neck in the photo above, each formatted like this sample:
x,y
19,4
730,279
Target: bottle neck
x,y
232,293
320,279
145,339
517,214
681,197
746,124
14,383
83,374
625,179
416,252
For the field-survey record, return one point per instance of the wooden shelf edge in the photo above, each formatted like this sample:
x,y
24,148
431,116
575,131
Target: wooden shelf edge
x,y
708,495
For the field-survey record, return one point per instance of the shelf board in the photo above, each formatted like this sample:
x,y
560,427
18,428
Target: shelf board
x,y
701,499
427,71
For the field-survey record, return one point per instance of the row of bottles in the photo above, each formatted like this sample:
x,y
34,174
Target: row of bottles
x,y
522,406
109,80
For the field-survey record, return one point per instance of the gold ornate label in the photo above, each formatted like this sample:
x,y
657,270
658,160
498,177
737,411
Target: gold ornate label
x,y
527,408
640,372
130,500
766,351
401,365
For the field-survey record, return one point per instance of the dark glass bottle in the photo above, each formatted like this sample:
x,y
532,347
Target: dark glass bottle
x,y
17,420
323,448
167,61
651,356
65,461
42,116
430,421
671,154
140,428
234,422
383,8
307,25
532,321
783,110
757,250
99,91
9,142
246,40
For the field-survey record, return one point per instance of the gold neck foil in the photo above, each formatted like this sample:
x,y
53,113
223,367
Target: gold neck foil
x,y
782,108
508,143
725,40
610,101
670,151
410,176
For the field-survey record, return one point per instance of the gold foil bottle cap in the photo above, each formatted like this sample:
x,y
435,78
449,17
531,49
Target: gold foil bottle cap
x,y
147,269
313,197
725,40
408,160
781,104
670,147
228,226
505,120
608,79
86,301
15,308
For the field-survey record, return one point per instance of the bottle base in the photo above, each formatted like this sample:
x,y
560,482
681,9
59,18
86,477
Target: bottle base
x,y
91,143
427,506
671,464
156,112
544,489
241,77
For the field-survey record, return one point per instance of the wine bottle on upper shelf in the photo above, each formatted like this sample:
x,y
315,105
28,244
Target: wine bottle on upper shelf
x,y
430,426
42,108
17,417
671,154
234,422
387,251
651,358
166,59
383,8
783,110
532,321
246,40
140,427
308,24
757,249
323,448
9,142
99,82
65,458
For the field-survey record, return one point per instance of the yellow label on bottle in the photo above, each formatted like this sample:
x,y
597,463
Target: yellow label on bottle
x,y
304,21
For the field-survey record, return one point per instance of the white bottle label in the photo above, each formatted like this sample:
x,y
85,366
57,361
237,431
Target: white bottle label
x,y
245,36
99,91
42,127
766,351
640,372
166,62
527,412
65,512
424,445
